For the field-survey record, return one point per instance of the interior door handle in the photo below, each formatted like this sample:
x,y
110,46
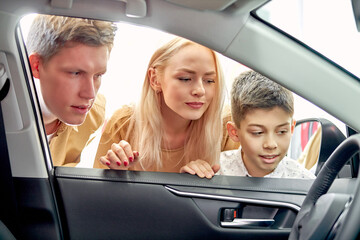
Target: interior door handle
x,y
245,223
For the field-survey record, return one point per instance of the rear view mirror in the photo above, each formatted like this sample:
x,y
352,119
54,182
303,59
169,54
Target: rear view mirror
x,y
313,141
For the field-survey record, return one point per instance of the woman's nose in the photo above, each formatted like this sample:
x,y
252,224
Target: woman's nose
x,y
198,89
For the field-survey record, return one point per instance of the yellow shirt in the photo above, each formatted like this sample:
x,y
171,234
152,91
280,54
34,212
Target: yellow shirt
x,y
119,125
68,141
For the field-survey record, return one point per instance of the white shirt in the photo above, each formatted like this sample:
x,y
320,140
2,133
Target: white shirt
x,y
231,163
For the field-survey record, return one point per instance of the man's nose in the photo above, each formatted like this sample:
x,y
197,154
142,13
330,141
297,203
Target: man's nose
x,y
88,88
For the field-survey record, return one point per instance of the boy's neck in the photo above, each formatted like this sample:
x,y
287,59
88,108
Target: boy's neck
x,y
251,169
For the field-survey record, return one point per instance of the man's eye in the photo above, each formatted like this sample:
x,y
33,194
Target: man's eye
x,y
98,76
75,73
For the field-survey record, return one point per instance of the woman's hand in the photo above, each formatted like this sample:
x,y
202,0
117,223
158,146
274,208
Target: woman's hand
x,y
120,156
200,168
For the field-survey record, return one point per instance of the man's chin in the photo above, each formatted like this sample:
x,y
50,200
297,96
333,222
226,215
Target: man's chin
x,y
74,122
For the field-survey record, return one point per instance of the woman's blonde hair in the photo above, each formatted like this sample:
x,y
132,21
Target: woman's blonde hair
x,y
205,134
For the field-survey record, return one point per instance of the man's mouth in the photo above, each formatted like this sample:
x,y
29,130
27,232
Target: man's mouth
x,y
82,109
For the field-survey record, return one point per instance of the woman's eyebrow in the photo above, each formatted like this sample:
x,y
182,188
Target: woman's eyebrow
x,y
194,72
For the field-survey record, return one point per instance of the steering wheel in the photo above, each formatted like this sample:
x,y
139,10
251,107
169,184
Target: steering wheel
x,y
330,215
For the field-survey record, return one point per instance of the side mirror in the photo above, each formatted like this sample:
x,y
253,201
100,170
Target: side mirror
x,y
313,142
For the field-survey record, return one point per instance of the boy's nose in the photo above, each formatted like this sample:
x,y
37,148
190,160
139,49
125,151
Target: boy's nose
x,y
270,143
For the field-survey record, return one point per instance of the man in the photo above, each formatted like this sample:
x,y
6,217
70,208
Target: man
x,y
68,56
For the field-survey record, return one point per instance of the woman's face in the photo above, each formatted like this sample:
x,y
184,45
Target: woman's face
x,y
188,83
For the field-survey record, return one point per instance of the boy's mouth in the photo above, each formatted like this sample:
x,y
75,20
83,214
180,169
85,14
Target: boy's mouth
x,y
269,159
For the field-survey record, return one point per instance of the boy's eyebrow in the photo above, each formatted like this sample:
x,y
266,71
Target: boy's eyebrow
x,y
259,125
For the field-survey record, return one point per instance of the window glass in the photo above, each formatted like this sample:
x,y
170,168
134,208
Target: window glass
x,y
328,27
127,66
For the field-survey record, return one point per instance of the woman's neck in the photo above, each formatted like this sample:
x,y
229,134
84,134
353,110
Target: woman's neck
x,y
175,130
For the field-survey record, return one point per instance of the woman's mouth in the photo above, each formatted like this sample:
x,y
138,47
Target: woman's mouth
x,y
195,105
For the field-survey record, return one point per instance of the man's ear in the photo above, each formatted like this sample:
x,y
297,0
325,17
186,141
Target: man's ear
x,y
293,126
233,131
35,61
153,77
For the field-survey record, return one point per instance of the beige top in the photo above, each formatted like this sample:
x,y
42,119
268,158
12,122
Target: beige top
x,y
67,142
118,126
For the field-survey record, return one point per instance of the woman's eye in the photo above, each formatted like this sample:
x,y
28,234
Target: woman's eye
x,y
184,79
210,80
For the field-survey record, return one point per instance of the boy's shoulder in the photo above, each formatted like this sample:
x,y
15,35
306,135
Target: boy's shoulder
x,y
231,163
290,168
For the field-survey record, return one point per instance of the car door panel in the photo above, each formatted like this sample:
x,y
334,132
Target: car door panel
x,y
177,206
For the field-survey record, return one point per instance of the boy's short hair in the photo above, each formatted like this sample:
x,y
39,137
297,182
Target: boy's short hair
x,y
48,34
251,90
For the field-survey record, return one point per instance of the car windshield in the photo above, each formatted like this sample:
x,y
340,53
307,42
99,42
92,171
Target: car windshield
x,y
327,27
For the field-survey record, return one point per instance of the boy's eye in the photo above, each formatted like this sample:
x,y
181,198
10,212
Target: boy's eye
x,y
257,133
283,131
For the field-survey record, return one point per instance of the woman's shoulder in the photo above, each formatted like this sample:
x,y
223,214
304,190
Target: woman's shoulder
x,y
120,117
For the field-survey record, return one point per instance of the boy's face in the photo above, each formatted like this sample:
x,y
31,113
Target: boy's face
x,y
264,136
70,80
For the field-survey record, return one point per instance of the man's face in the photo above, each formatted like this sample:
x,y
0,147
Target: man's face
x,y
265,136
70,80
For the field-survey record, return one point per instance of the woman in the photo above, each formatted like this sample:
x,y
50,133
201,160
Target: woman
x,y
178,120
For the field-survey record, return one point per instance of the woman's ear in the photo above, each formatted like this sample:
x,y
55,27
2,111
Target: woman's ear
x,y
232,131
153,77
35,62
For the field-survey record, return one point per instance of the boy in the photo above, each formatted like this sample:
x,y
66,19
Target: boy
x,y
67,57
262,113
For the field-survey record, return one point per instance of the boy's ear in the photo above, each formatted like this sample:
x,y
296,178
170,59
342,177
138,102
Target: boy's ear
x,y
153,77
293,126
233,131
35,61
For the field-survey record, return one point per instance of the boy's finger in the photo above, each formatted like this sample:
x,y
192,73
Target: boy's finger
x,y
216,168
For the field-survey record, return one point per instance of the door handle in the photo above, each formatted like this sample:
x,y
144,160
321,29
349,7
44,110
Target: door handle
x,y
245,223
